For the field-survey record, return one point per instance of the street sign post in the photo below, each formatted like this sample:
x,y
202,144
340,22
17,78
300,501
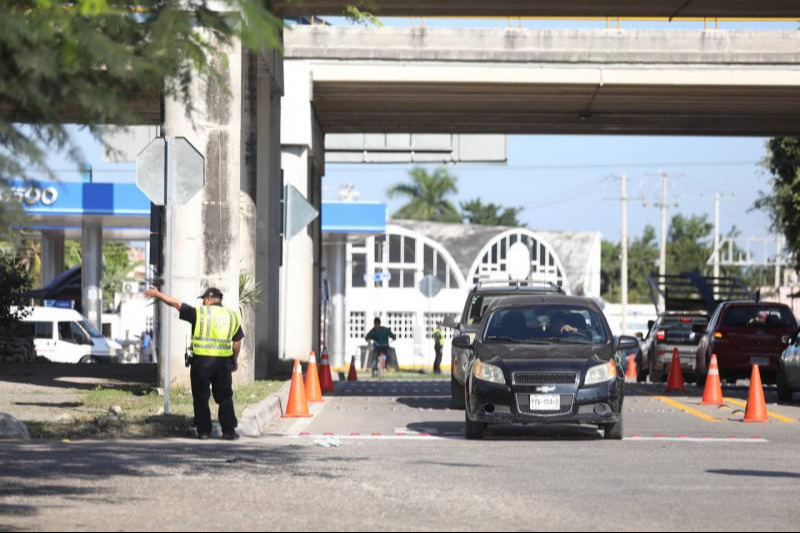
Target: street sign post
x,y
170,171
430,286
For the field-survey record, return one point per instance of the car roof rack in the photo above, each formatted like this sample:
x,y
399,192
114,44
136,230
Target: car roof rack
x,y
692,291
527,285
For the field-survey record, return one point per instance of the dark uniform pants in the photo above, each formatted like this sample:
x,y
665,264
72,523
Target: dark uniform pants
x,y
215,373
437,362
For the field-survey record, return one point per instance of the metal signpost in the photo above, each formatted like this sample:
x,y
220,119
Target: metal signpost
x,y
170,171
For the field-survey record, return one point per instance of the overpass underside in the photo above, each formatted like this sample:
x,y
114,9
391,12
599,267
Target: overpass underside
x,y
551,82
548,8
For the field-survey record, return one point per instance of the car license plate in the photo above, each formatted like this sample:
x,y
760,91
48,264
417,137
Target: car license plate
x,y
545,402
759,361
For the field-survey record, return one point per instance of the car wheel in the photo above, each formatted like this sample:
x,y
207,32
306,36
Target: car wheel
x,y
784,391
87,360
613,431
474,430
457,400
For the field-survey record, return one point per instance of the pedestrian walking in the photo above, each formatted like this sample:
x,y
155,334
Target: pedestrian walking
x,y
437,347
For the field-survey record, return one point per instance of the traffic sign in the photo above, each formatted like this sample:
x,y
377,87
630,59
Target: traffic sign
x,y
430,286
187,172
299,212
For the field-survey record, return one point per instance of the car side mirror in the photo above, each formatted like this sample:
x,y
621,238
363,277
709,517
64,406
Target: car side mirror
x,y
463,342
650,324
628,343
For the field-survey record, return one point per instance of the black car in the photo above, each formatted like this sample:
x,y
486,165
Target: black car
x,y
544,359
478,301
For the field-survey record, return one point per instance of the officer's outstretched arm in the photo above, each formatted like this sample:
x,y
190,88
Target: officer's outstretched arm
x,y
237,347
169,300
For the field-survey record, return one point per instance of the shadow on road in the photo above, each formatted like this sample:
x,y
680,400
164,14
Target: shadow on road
x,y
560,432
66,474
755,473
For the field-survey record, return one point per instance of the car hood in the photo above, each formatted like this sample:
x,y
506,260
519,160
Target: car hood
x,y
512,353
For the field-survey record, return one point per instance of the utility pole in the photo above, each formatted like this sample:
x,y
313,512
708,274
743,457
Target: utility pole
x,y
624,259
778,265
662,264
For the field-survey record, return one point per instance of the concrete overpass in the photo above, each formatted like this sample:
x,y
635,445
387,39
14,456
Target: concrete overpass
x,y
549,82
548,8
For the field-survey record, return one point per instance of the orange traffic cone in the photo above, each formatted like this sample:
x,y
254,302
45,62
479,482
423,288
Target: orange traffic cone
x,y
756,406
298,403
632,375
325,377
675,380
313,389
713,393
352,375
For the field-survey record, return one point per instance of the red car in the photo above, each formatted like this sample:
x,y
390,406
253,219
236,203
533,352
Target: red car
x,y
743,334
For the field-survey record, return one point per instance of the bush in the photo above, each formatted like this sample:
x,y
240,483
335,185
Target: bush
x,y
14,282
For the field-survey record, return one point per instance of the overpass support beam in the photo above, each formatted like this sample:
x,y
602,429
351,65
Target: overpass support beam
x,y
303,163
215,235
336,258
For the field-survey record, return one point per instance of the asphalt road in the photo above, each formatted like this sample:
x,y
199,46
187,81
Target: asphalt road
x,y
397,460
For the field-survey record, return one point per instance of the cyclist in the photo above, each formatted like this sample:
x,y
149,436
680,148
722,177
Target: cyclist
x,y
380,338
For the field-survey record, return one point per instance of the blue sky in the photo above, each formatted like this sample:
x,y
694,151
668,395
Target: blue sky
x,y
568,182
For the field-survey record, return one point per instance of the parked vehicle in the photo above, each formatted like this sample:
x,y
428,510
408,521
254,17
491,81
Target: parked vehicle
x,y
673,330
743,334
66,336
789,370
479,299
544,359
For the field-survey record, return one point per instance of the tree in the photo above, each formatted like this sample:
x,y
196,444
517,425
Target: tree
x,y
491,214
782,203
14,281
689,245
642,261
427,196
117,265
91,58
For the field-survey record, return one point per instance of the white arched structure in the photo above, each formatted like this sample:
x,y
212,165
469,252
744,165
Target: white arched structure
x,y
383,280
545,263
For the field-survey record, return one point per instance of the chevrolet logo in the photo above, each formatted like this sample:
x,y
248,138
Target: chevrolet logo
x,y
546,389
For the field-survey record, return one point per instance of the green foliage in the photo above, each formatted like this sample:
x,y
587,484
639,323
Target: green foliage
x,y
427,196
642,261
117,265
689,245
249,290
782,203
91,59
14,281
359,13
491,214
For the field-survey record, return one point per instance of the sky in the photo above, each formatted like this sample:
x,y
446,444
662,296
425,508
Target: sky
x,y
571,183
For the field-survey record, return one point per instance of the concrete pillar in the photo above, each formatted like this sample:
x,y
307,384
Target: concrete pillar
x,y
298,265
92,270
303,162
269,212
206,231
336,251
52,255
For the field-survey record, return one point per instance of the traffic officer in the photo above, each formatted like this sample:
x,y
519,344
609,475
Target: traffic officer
x,y
216,341
437,347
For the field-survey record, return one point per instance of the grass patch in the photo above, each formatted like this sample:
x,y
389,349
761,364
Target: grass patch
x,y
141,407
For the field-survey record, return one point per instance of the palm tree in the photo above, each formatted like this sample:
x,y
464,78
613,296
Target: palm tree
x,y
427,196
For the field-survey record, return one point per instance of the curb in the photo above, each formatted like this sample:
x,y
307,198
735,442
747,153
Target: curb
x,y
257,419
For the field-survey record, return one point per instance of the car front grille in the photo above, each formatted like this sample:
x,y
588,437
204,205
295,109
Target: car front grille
x,y
524,406
544,378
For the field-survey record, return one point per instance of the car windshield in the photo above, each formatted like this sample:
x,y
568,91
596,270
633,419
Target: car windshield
x,y
756,316
546,324
90,330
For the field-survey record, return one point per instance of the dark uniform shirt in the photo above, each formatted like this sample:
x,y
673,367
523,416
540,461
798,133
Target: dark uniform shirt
x,y
189,314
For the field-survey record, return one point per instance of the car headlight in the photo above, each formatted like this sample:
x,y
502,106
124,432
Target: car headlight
x,y
487,372
601,373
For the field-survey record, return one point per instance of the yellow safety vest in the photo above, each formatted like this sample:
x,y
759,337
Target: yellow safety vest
x,y
214,331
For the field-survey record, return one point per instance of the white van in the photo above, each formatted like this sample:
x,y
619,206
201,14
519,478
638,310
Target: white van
x,y
66,336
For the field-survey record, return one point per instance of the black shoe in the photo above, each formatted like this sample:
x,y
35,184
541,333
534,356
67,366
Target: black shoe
x,y
230,436
203,436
